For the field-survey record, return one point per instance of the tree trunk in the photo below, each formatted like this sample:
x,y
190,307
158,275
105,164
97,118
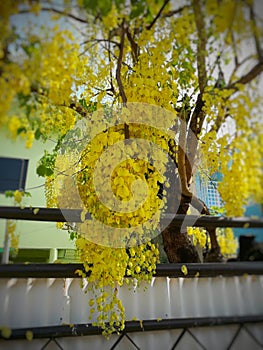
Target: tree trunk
x,y
177,243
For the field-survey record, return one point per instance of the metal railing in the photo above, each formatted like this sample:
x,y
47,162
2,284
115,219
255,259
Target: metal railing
x,y
74,215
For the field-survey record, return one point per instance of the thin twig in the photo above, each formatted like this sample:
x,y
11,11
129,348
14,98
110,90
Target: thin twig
x,y
110,65
114,56
255,31
134,46
248,77
182,155
175,12
237,66
201,45
234,49
126,131
100,40
51,9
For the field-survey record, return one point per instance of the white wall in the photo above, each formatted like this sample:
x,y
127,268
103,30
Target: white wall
x,y
32,234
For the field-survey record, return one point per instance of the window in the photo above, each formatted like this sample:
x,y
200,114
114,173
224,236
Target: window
x,y
213,195
207,191
13,173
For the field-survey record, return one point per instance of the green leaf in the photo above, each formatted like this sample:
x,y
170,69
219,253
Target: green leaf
x,y
20,130
46,164
119,3
98,6
27,194
73,235
38,134
9,194
83,103
138,8
90,4
105,6
44,171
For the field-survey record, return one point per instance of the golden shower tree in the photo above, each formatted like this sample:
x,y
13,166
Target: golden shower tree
x,y
195,68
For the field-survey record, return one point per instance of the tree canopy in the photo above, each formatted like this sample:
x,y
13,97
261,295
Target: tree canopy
x,y
194,66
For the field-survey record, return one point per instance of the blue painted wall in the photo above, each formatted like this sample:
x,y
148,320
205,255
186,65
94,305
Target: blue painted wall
x,y
252,210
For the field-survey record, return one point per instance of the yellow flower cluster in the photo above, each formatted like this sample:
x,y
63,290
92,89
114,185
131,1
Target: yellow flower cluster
x,y
12,79
198,236
56,121
216,103
54,71
14,238
11,224
106,255
112,19
224,13
108,268
17,126
227,242
239,157
135,206
50,194
100,256
242,175
182,28
18,195
228,15
210,152
12,82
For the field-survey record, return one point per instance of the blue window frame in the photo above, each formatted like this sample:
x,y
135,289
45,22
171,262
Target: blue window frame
x,y
13,173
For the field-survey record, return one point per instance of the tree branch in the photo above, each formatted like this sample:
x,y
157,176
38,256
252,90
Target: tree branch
x,y
175,12
198,116
100,40
203,209
5,53
110,64
126,131
248,77
245,79
219,121
134,46
119,63
51,9
234,47
239,64
201,45
255,31
196,123
182,155
118,76
114,56
149,27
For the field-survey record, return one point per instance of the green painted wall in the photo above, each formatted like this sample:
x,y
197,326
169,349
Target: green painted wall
x,y
32,234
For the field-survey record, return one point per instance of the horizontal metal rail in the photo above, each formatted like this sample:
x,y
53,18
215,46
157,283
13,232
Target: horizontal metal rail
x,y
162,270
132,326
74,215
